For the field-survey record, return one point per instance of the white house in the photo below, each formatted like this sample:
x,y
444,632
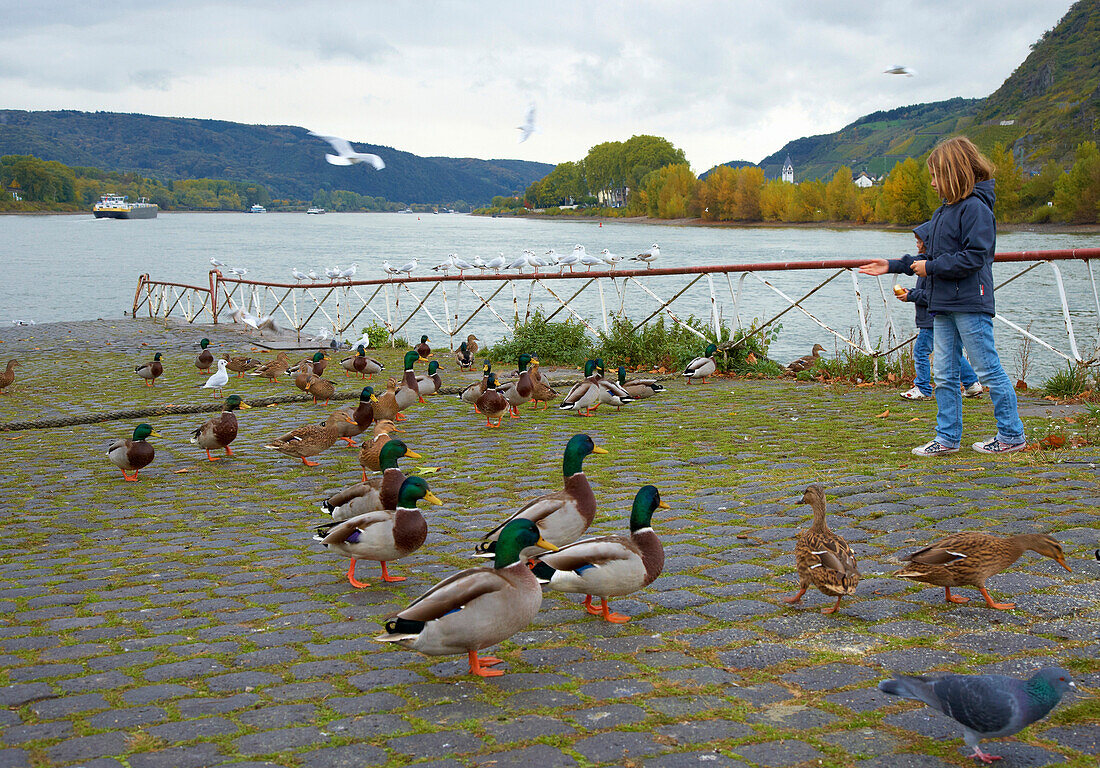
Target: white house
x,y
614,197
862,180
788,170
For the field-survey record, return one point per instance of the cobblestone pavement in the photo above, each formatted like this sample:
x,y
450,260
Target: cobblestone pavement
x,y
189,620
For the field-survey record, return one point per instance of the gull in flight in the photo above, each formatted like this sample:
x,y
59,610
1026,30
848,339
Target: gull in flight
x,y
345,155
528,126
298,275
653,254
897,69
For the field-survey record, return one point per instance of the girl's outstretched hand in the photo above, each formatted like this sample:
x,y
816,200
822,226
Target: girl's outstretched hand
x,y
875,267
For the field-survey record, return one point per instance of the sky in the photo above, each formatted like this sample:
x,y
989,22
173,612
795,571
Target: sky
x,y
733,80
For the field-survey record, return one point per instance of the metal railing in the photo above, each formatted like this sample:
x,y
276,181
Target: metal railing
x,y
453,304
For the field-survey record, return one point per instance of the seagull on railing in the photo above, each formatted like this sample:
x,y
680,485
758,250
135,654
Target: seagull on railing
x,y
349,273
461,264
519,263
649,257
312,275
479,263
345,155
536,261
609,258
579,251
567,260
408,268
297,275
497,263
332,273
445,265
588,260
216,263
389,269
237,272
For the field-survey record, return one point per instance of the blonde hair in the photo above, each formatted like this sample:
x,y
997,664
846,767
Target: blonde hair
x,y
958,165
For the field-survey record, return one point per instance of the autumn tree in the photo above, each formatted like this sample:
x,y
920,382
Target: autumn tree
x,y
1010,183
1077,193
840,196
672,192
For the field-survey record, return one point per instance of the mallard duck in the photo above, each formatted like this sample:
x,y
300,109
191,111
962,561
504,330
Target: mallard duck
x,y
387,406
471,393
562,516
609,566
219,431
491,402
968,558
806,361
471,344
205,358
519,391
361,364
429,383
361,416
241,364
319,388
133,453
477,607
409,384
384,534
823,558
610,391
464,357
309,440
7,378
541,391
270,370
422,348
151,370
319,362
303,374
701,367
584,396
375,493
370,454
639,388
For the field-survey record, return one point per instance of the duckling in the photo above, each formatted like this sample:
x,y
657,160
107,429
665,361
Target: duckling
x,y
273,368
823,558
638,388
806,362
361,415
471,393
968,558
151,370
319,388
133,453
464,357
241,364
309,440
609,566
7,378
541,391
375,493
430,383
205,357
384,534
370,454
423,349
701,367
219,431
477,607
519,391
584,396
562,516
491,402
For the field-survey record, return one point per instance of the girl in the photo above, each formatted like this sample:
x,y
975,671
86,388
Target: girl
x,y
961,241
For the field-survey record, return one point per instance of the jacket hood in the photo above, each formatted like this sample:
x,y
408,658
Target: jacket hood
x,y
983,190
922,230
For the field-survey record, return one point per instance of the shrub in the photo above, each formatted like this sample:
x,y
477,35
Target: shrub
x,y
378,335
748,351
657,345
1070,383
857,366
552,343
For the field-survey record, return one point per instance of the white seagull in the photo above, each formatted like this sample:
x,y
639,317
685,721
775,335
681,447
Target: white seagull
x,y
219,379
590,261
461,264
897,69
312,275
610,257
567,259
445,265
408,268
528,126
651,256
389,269
479,263
238,272
298,275
349,272
345,155
519,263
332,272
497,263
216,263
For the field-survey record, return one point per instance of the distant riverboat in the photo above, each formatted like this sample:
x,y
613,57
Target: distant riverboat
x,y
112,206
316,211
257,208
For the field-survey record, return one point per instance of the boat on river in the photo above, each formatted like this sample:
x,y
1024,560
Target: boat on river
x,y
316,211
112,206
257,208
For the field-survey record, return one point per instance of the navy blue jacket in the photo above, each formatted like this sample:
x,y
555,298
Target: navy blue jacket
x,y
960,247
918,294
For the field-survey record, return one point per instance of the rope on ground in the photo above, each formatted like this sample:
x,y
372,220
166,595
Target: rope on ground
x,y
216,406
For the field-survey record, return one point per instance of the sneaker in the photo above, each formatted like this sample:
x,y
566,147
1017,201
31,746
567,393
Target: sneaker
x,y
933,448
915,394
974,390
996,446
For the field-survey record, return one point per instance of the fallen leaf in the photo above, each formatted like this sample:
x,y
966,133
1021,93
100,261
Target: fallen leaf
x,y
884,414
426,470
1053,441
180,471
16,437
915,418
891,377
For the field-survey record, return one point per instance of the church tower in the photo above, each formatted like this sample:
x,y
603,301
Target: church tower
x,y
788,170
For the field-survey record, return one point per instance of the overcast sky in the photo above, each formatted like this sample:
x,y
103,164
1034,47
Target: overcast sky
x,y
723,81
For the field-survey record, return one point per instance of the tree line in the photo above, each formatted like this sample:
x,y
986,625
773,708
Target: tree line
x,y
662,185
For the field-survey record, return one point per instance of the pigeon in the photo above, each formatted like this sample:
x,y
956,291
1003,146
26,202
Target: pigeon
x,y
214,262
219,379
349,272
346,155
389,268
408,268
528,126
987,706
897,69
650,257
297,275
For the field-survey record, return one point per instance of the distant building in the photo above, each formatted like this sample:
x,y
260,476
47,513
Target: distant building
x,y
613,198
862,180
1007,122
15,190
788,170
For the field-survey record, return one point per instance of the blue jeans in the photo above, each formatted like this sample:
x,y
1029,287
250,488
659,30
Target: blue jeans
x,y
922,351
973,331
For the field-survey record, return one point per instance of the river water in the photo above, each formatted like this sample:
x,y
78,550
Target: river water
x,y
79,267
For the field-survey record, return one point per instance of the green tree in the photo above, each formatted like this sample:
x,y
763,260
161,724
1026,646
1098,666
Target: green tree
x,y
1077,193
603,166
564,184
1010,183
1039,189
643,154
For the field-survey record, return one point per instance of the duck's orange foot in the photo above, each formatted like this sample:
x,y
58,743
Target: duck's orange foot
x,y
950,598
386,576
795,598
309,463
593,609
476,667
351,443
352,580
212,458
991,603
227,451
833,608
128,478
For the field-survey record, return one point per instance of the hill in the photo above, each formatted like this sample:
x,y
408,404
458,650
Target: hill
x,y
1051,104
285,159
731,164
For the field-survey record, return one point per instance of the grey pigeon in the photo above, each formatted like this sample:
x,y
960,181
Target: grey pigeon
x,y
987,706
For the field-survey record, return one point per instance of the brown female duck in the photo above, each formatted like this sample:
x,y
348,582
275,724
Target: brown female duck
x,y
387,407
968,558
272,369
7,378
542,392
319,388
240,364
309,440
823,558
806,362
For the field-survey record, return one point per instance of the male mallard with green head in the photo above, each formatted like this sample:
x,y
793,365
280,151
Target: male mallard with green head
x,y
422,349
374,493
521,390
823,558
382,534
133,453
464,357
219,431
584,396
968,558
609,566
431,382
638,388
562,516
477,607
361,415
701,367
205,358
151,370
